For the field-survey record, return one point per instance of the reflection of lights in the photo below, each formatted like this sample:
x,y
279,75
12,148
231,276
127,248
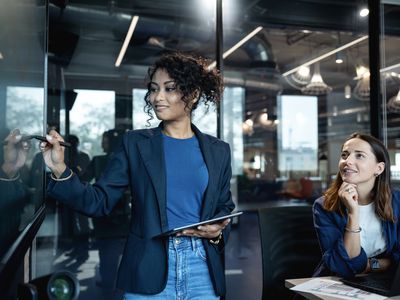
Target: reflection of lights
x,y
304,71
1,56
347,91
127,40
364,12
237,45
362,89
249,122
394,103
339,58
317,86
248,130
302,76
319,58
263,119
361,72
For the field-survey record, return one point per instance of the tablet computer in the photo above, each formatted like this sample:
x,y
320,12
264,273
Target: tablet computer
x,y
206,222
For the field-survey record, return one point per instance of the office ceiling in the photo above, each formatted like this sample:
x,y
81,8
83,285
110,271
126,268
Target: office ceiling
x,y
90,33
86,37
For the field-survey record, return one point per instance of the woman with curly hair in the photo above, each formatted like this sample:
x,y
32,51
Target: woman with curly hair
x,y
177,176
357,219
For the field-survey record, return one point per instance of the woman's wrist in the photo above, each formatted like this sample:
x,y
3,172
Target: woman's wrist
x,y
217,239
59,170
9,170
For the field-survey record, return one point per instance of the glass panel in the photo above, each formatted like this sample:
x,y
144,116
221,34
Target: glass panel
x,y
22,85
89,119
85,40
303,50
297,135
390,78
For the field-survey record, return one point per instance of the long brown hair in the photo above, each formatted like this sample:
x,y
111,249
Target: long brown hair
x,y
381,192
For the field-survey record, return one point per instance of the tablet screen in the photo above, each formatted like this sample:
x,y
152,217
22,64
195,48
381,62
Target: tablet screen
x,y
210,221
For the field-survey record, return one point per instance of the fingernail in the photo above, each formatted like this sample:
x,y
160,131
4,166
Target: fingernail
x,y
18,137
49,137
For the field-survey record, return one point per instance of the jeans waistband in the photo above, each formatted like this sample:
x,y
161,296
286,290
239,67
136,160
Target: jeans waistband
x,y
185,242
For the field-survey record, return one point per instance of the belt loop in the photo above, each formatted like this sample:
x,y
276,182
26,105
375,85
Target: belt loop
x,y
193,240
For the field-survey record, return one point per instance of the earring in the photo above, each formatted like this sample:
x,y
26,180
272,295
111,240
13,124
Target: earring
x,y
376,174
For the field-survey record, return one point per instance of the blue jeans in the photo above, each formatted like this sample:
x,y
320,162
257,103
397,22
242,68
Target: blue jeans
x,y
188,276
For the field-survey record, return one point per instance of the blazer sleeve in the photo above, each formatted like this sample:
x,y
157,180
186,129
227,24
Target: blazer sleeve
x,y
225,204
329,227
100,198
393,229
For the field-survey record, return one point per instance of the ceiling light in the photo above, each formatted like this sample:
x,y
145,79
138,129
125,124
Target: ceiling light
x,y
317,86
339,58
127,40
364,12
248,130
347,91
302,76
326,55
393,104
237,45
361,72
249,122
362,89
263,119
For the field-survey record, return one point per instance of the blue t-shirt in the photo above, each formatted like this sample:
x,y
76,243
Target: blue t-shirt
x,y
187,180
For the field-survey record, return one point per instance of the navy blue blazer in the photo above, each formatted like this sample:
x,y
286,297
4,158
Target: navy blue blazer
x,y
330,228
139,164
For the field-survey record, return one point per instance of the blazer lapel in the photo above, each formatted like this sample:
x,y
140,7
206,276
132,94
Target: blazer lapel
x,y
212,163
151,150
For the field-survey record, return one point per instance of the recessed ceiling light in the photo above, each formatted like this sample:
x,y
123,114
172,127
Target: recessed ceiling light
x,y
364,12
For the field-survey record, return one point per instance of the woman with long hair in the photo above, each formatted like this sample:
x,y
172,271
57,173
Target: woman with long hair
x,y
357,218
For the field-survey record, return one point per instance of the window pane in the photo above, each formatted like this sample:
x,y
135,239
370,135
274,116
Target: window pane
x,y
92,113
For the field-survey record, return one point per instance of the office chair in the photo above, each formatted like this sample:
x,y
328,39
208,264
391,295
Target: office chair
x,y
289,248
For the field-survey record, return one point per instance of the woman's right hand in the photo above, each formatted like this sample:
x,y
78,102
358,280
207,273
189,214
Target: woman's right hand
x,y
349,196
53,153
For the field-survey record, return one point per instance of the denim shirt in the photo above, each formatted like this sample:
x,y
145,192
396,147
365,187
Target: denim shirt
x,y
330,227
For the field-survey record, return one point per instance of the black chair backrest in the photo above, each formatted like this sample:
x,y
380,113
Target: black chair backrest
x,y
289,248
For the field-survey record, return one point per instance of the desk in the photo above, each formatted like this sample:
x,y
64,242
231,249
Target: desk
x,y
293,282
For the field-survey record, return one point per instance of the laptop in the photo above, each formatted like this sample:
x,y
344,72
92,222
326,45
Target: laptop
x,y
383,283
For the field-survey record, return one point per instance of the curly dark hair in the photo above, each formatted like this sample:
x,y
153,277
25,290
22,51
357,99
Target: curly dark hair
x,y
381,193
192,76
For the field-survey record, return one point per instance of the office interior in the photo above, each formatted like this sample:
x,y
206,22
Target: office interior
x,y
300,76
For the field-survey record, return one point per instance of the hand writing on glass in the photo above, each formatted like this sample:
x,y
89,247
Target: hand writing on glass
x,y
53,153
15,153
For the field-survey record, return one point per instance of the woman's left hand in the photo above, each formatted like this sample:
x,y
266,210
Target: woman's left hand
x,y
15,153
210,231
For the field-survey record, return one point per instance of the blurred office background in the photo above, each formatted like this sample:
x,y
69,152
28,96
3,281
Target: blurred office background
x,y
300,76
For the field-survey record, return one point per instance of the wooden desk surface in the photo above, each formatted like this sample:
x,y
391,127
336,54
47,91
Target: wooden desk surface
x,y
293,282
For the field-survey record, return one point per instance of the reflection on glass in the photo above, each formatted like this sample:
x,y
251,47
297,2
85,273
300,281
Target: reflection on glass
x,y
233,108
22,87
18,99
297,133
92,113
